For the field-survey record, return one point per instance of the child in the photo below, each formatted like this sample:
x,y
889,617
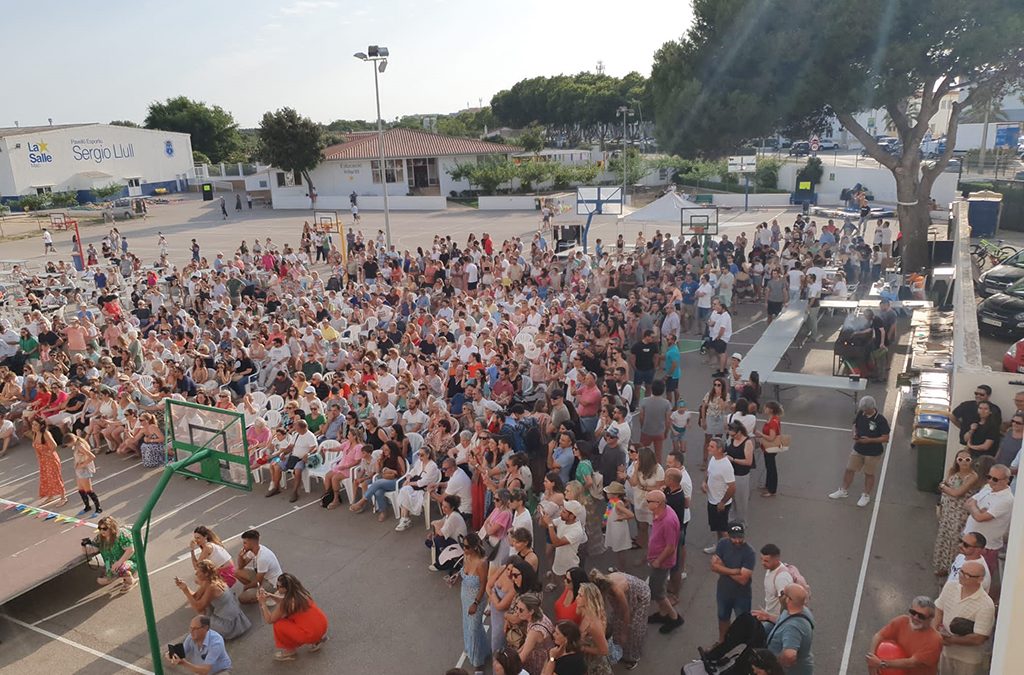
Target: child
x,y
679,419
616,520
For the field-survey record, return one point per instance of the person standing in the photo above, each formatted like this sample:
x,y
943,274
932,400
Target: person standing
x,y
195,250
719,486
85,469
655,413
964,617
770,436
474,581
720,332
48,246
792,632
248,200
661,556
740,450
989,514
971,546
203,649
238,202
870,434
673,367
678,493
959,481
775,294
733,562
223,207
915,635
644,361
51,485
296,619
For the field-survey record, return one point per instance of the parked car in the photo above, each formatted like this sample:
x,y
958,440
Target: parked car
x,y
1003,275
1003,313
887,144
800,149
1013,359
828,144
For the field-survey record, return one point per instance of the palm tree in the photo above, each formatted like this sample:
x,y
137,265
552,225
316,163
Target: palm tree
x,y
911,110
976,113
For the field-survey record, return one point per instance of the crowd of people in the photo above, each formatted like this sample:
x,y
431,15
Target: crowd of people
x,y
532,399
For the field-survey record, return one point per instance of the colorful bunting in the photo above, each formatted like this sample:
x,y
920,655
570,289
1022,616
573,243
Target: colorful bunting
x,y
43,514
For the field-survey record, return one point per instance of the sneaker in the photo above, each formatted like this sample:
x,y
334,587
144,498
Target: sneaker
x,y
682,577
864,499
671,624
82,512
710,549
839,494
433,568
657,618
403,524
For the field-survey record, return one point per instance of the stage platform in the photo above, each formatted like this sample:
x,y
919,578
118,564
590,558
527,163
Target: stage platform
x,y
34,549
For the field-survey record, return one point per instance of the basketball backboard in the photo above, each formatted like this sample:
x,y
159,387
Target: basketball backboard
x,y
598,201
192,427
699,221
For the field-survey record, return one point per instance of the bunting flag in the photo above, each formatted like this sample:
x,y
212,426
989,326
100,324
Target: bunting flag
x,y
44,514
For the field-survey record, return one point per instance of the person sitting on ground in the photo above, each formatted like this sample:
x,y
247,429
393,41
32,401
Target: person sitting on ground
x,y
296,618
255,568
214,599
114,545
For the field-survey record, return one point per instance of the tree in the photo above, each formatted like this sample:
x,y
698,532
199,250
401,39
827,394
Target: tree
x,y
532,139
976,113
532,171
766,175
742,72
487,175
104,193
291,142
635,167
200,158
348,126
62,200
213,130
33,202
124,123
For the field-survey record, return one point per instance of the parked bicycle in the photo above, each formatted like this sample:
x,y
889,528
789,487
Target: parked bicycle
x,y
988,253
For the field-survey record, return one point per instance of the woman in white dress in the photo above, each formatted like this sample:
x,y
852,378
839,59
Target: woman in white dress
x,y
411,495
618,515
649,475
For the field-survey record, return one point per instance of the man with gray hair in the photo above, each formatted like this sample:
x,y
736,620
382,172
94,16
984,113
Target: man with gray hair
x,y
915,635
870,434
964,617
456,482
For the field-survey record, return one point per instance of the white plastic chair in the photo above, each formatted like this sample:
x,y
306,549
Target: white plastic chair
x,y
273,419
275,402
259,399
369,326
329,452
415,442
350,483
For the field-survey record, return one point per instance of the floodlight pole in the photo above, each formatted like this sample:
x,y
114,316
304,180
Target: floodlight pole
x,y
139,543
378,58
624,110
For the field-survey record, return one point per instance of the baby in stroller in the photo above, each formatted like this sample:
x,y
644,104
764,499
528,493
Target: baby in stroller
x,y
735,654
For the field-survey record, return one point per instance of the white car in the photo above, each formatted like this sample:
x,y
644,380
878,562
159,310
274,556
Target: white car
x,y
828,144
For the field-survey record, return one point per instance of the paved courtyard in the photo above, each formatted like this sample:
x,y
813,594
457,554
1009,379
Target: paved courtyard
x,y
388,613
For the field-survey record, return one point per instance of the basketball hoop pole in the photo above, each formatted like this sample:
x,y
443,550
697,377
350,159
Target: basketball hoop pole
x,y
139,542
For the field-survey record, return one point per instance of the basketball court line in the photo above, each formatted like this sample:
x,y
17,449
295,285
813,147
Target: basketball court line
x,y
77,645
12,481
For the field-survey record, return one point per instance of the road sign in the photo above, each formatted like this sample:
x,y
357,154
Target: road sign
x,y
815,144
742,163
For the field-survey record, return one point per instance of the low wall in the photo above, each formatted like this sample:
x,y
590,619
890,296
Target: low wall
x,y
732,200
508,203
366,203
879,180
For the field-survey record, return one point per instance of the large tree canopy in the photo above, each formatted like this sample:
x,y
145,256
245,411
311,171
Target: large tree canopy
x,y
747,68
581,107
213,129
290,142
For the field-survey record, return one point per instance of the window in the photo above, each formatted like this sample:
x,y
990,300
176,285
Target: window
x,y
134,182
394,170
45,190
288,178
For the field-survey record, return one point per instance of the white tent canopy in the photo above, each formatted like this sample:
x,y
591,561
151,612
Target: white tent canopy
x,y
666,209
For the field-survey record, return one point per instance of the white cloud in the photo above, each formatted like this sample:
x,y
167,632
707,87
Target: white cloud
x,y
304,7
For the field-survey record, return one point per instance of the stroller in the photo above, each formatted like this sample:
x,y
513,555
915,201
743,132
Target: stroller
x,y
732,655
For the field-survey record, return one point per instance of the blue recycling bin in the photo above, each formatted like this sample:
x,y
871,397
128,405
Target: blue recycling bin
x,y
77,261
983,214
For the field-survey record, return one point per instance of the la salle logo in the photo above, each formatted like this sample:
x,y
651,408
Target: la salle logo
x,y
39,153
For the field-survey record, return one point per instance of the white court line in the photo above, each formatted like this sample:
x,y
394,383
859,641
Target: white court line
x,y
12,481
862,577
186,505
817,426
77,645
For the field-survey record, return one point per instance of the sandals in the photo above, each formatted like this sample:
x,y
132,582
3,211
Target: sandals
x,y
284,656
333,505
316,647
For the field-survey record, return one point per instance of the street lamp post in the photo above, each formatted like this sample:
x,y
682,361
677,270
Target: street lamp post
x,y
625,111
379,57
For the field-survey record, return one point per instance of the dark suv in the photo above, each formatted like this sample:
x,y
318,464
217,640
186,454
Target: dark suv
x,y
800,149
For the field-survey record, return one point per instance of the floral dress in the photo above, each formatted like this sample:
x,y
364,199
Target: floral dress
x,y
952,518
638,597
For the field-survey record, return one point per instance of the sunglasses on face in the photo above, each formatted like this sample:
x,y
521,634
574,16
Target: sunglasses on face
x,y
103,528
918,615
970,576
994,479
967,545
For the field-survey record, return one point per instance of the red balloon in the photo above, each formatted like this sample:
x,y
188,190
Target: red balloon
x,y
890,651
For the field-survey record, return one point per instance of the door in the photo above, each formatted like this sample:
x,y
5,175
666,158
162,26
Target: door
x,y
421,177
134,187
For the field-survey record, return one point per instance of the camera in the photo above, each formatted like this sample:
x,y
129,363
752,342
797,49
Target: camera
x,y
87,542
176,650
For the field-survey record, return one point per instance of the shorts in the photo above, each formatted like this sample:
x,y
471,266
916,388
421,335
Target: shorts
x,y
859,462
471,285
294,462
679,548
728,606
719,346
718,521
672,384
774,308
657,581
703,313
643,376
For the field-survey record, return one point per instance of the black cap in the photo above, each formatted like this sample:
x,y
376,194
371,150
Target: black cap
x,y
736,530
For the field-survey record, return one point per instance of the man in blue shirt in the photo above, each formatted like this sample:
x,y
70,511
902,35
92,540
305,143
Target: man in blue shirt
x,y
673,368
733,562
792,633
204,650
689,290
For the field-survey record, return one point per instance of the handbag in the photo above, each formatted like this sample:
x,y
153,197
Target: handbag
x,y
614,652
961,626
778,444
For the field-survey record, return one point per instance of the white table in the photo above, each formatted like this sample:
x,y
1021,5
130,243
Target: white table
x,y
766,353
11,262
847,386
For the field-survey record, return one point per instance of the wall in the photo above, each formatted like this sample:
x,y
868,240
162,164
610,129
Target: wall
x,y
295,198
508,203
121,152
733,200
968,136
880,180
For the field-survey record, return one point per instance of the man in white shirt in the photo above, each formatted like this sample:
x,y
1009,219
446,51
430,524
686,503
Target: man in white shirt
x,y
300,445
990,512
719,486
796,277
256,567
457,482
776,578
971,546
964,650
472,276
720,332
566,536
386,412
277,359
467,349
414,420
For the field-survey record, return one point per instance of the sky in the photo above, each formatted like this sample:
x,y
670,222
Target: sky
x,y
96,62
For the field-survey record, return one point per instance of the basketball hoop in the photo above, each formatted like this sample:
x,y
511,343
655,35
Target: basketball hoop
x,y
698,230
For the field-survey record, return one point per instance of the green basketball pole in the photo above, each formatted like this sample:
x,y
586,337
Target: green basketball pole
x,y
140,541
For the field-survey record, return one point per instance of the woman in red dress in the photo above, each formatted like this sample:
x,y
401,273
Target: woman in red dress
x,y
51,485
296,619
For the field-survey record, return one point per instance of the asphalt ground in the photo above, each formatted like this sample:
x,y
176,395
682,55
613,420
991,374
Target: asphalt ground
x,y
388,613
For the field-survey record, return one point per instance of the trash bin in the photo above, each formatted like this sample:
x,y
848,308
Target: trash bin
x,y
931,458
77,261
983,213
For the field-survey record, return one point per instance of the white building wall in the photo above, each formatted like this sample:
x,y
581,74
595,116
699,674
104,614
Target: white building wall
x,y
880,181
60,157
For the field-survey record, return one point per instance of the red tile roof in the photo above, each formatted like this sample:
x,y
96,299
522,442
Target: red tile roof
x,y
405,143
